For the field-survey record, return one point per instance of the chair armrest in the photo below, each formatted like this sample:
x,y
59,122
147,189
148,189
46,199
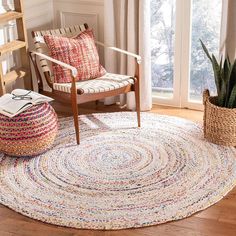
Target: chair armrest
x,y
73,69
137,57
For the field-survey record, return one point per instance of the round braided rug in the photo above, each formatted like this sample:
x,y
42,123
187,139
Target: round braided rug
x,y
119,176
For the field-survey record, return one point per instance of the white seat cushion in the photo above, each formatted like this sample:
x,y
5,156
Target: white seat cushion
x,y
105,83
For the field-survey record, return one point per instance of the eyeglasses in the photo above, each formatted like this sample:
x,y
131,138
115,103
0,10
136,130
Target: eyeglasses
x,y
22,96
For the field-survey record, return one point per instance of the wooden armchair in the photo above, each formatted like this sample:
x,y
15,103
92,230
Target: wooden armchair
x,y
83,91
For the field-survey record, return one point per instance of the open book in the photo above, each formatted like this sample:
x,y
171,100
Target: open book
x,y
19,100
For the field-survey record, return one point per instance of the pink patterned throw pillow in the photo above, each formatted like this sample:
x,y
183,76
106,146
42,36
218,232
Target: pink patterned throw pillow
x,y
80,52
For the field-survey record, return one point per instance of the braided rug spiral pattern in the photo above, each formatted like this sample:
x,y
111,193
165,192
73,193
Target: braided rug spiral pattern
x,y
120,176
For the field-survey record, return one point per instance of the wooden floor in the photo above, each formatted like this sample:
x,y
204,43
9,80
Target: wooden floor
x,y
217,220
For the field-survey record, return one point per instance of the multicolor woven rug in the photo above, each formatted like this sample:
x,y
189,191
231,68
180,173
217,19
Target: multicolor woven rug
x,y
120,176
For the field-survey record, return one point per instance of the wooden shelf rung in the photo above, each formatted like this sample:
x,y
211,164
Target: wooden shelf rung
x,y
14,75
11,46
10,15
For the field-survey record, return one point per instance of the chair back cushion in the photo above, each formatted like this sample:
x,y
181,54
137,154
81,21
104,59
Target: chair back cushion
x,y
79,51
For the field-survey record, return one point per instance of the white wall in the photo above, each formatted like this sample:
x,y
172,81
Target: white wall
x,y
38,15
76,12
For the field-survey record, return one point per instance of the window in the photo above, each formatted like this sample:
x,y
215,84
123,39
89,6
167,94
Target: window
x,y
162,46
206,16
180,70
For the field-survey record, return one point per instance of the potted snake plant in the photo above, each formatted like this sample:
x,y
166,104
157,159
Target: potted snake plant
x,y
220,110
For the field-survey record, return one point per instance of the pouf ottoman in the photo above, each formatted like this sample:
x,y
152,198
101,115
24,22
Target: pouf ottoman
x,y
30,133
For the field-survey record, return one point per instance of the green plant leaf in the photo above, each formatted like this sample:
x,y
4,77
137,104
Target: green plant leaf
x,y
221,96
226,76
232,99
205,50
228,60
225,79
218,79
231,82
221,62
232,79
226,69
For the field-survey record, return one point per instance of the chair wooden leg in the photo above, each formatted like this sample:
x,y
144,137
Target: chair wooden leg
x,y
137,100
76,116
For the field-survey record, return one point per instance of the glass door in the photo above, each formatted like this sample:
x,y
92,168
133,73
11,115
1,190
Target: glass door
x,y
180,70
164,50
204,23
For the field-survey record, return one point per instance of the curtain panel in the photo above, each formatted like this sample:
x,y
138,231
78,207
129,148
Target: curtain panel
x,y
228,29
127,26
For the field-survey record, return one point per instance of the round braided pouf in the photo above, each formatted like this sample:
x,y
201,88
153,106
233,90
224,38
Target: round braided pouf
x,y
30,133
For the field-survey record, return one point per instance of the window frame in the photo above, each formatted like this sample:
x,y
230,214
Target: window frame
x,y
182,60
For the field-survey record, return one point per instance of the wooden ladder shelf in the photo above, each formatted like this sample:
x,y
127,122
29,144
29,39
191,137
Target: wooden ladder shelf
x,y
20,44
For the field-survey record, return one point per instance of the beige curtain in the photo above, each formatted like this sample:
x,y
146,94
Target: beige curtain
x,y
228,29
127,26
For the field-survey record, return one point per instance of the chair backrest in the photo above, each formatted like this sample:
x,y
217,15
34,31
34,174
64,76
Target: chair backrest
x,y
40,46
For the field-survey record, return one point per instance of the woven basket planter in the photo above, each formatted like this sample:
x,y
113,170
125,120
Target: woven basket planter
x,y
219,122
30,133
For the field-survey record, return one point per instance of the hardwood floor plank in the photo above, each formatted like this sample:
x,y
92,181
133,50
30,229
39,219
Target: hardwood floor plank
x,y
2,233
207,226
212,213
34,228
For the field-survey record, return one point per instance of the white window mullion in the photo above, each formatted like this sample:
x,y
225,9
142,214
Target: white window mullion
x,y
186,58
175,100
